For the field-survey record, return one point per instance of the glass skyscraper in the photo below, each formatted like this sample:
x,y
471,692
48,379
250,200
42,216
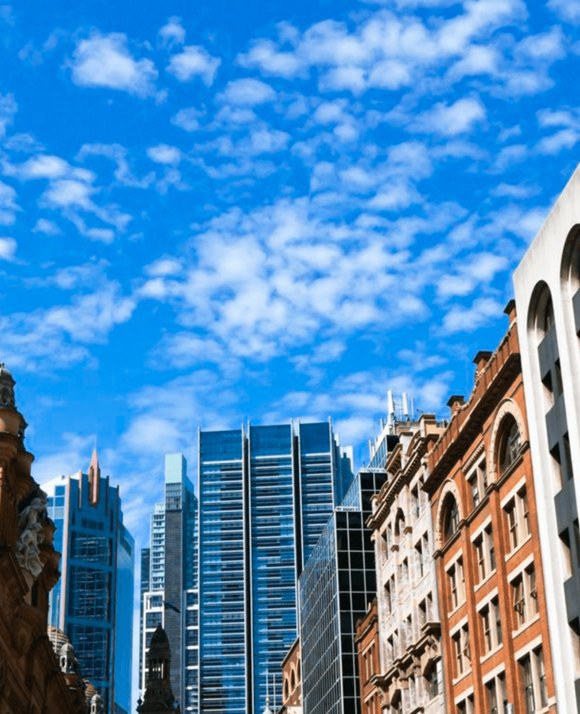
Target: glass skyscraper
x,y
266,493
169,594
93,600
336,585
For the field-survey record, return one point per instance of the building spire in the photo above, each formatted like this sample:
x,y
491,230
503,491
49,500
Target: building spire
x,y
94,477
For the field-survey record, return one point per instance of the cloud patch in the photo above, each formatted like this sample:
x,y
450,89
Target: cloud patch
x,y
105,61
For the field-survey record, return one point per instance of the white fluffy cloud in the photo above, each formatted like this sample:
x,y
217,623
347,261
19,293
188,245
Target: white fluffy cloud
x,y
194,61
8,109
105,61
164,154
173,32
452,119
7,248
248,92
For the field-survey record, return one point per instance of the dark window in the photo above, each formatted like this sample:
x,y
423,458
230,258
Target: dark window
x,y
510,444
450,517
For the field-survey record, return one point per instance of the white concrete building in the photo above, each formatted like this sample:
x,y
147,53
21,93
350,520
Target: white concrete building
x,y
547,290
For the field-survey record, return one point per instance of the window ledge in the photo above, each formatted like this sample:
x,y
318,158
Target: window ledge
x,y
527,623
451,613
489,654
485,580
518,547
456,680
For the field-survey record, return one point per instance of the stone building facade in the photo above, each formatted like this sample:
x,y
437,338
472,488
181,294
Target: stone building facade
x,y
408,621
497,654
547,289
32,679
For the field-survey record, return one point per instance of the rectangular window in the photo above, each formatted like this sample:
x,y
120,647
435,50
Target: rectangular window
x,y
525,596
461,650
517,517
456,584
485,553
388,598
419,558
477,481
491,625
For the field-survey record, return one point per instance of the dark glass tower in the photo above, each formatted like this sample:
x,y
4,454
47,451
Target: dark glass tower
x,y
93,601
266,493
336,585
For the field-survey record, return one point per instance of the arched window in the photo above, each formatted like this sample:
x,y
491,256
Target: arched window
x,y
298,669
292,680
541,313
450,517
286,689
510,444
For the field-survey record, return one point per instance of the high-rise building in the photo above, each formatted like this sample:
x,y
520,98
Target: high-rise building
x,y
336,586
169,595
547,289
266,493
93,602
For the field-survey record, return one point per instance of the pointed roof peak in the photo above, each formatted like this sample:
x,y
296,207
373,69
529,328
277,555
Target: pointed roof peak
x,y
94,476
95,457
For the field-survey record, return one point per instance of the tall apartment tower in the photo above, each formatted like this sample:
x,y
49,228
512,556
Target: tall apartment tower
x,y
93,601
266,493
547,289
169,583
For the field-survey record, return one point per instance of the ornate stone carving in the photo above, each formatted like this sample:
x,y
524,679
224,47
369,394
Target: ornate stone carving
x,y
68,661
97,705
30,536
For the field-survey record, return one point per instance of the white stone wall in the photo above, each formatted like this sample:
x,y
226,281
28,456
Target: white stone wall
x,y
543,262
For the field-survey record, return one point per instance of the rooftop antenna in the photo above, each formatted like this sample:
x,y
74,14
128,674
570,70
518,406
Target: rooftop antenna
x,y
391,419
405,407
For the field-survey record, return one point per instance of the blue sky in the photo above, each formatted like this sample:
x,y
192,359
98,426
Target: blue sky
x,y
263,210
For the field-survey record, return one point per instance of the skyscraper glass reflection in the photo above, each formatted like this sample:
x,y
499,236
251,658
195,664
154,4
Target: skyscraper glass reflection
x,y
336,585
265,494
93,601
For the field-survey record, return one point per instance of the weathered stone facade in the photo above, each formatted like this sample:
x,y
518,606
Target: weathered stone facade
x,y
31,681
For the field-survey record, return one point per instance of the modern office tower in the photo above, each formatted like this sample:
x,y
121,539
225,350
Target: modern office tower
x,y
407,614
266,493
93,602
336,586
496,644
169,582
547,289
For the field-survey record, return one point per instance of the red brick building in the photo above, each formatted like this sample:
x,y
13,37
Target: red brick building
x,y
292,681
369,666
495,639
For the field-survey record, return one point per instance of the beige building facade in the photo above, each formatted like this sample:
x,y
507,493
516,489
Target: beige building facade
x,y
410,660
